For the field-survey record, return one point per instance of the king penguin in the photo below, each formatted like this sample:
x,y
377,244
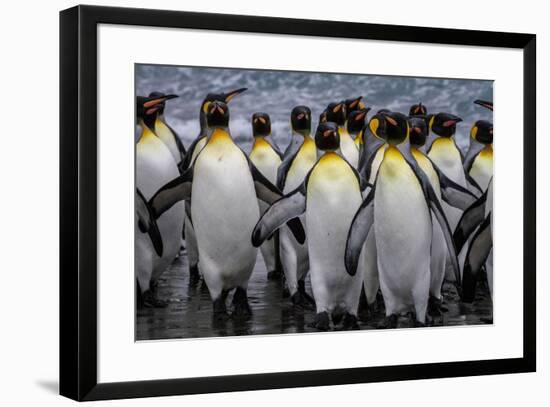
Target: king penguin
x,y
329,196
398,207
196,146
299,157
336,113
478,162
225,190
443,151
155,166
267,157
355,124
167,134
446,190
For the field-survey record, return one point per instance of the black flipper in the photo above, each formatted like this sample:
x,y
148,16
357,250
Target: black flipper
x,y
186,162
147,222
358,232
274,146
265,190
179,144
470,220
285,210
452,193
288,157
188,210
478,252
178,189
370,148
433,204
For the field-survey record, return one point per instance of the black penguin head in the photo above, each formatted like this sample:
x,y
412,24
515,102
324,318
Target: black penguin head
x,y
356,120
336,113
216,97
444,124
484,103
353,105
148,107
392,127
300,119
327,137
418,110
217,114
261,124
482,132
418,131
162,105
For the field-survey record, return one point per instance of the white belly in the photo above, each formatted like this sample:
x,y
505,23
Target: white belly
x,y
403,232
167,137
333,197
267,161
224,211
446,156
154,168
349,148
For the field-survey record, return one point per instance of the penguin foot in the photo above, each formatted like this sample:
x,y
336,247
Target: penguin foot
x,y
194,276
321,321
350,322
286,292
241,308
300,302
150,300
220,309
274,275
302,290
435,307
389,322
418,324
465,308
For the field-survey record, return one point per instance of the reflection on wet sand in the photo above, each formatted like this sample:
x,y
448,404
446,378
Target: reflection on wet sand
x,y
189,310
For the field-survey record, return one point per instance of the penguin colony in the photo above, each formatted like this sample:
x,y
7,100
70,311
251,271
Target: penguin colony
x,y
382,207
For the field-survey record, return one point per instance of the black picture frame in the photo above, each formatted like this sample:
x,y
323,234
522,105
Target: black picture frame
x,y
78,202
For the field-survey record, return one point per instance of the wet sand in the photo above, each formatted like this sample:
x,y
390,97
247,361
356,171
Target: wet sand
x,y
189,310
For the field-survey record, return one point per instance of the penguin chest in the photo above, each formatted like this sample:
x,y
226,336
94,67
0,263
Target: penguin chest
x,y
482,167
333,197
154,168
401,217
165,134
265,159
446,156
224,206
428,169
302,163
349,148
155,165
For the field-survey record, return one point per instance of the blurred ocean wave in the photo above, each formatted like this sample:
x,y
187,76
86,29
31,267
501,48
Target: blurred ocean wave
x,y
277,92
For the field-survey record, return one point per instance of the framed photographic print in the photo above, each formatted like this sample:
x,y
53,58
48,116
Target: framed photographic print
x,y
241,194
